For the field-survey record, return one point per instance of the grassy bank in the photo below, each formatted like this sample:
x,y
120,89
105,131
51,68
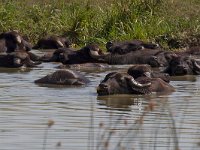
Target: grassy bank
x,y
99,21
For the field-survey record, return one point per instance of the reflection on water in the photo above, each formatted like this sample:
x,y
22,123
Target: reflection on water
x,y
85,121
117,101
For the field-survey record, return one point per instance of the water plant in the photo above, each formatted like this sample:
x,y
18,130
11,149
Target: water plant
x,y
49,124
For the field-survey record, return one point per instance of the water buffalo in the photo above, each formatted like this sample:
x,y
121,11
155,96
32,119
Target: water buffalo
x,y
193,51
122,83
183,65
63,77
92,53
153,57
70,56
12,41
128,46
56,55
52,42
16,59
146,71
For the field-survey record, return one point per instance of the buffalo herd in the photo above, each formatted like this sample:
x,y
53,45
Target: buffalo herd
x,y
16,51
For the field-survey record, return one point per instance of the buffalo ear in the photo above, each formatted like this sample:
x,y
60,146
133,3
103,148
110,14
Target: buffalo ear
x,y
196,67
137,87
59,43
19,39
109,44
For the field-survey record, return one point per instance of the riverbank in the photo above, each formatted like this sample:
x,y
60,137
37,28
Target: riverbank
x,y
174,24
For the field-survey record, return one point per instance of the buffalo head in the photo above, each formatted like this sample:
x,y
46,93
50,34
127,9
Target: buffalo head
x,y
182,65
146,71
121,83
13,41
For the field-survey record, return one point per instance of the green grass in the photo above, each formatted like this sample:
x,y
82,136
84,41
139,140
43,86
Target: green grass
x,y
102,20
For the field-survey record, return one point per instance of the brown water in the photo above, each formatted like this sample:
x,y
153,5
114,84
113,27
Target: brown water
x,y
84,121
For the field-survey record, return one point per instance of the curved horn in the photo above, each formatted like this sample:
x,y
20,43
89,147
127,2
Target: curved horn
x,y
18,38
17,31
196,68
95,55
137,84
60,43
196,64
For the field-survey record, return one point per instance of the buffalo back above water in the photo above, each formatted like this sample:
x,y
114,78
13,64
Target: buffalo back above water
x,y
63,77
128,46
153,57
52,42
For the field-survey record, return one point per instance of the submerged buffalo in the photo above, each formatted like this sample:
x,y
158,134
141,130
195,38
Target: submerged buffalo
x,y
52,42
84,55
195,50
192,51
183,65
17,59
12,41
128,46
63,77
153,57
122,83
146,71
92,53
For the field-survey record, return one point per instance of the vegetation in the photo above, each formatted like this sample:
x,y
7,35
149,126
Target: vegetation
x,y
98,21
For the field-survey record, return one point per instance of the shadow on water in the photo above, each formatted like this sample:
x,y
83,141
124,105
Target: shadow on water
x,y
120,102
191,78
126,100
15,70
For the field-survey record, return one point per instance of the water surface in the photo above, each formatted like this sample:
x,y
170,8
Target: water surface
x,y
84,121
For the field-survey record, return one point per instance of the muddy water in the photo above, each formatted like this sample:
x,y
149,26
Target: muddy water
x,y
84,121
